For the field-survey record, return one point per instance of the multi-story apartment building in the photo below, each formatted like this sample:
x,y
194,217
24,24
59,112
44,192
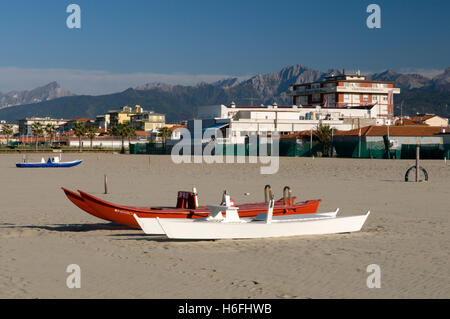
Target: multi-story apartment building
x,y
347,90
147,121
68,126
139,119
123,115
102,122
25,125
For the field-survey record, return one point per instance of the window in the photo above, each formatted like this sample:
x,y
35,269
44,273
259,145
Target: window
x,y
374,97
351,84
380,85
316,97
366,97
302,100
331,98
315,86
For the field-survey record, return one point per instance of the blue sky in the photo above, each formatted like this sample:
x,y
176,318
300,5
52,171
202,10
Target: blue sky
x,y
127,43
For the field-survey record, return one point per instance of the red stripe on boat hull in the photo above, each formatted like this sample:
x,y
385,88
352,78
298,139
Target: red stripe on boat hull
x,y
124,214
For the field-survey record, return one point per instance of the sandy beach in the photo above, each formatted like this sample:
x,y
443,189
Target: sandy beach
x,y
42,232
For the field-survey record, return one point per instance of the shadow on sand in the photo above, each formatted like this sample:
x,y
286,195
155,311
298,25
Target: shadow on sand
x,y
75,227
159,238
133,234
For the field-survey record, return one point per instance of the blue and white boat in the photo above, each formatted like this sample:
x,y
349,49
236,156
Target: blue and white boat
x,y
51,162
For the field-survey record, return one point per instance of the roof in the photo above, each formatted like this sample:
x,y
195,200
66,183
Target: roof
x,y
216,127
266,107
142,133
405,130
174,127
80,119
327,80
306,133
406,121
422,118
257,106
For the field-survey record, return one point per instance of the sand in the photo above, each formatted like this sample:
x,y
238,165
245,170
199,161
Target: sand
x,y
41,232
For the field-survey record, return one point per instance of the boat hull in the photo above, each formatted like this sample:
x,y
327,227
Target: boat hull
x,y
76,199
124,214
47,165
201,229
151,226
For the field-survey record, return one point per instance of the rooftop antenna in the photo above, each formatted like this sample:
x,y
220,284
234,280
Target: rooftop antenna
x,y
401,112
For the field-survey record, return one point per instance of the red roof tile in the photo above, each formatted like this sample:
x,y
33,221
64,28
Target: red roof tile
x,y
422,118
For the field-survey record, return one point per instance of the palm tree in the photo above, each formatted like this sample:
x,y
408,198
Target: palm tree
x,y
120,130
323,134
123,130
91,132
130,131
79,129
38,130
165,133
51,130
7,129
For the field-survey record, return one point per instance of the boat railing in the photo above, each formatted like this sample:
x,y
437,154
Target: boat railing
x,y
287,194
267,193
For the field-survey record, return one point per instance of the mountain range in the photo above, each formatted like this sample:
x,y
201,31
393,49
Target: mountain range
x,y
44,93
419,94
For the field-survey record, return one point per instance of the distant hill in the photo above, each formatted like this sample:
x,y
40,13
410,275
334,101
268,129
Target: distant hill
x,y
44,93
419,94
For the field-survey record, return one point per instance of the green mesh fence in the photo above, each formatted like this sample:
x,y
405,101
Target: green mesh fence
x,y
243,149
292,148
138,148
427,151
349,149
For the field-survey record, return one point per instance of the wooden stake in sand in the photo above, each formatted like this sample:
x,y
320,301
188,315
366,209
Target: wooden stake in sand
x,y
417,167
417,162
106,184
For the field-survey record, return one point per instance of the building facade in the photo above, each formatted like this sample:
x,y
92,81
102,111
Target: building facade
x,y
147,121
123,115
235,123
68,126
25,125
102,122
347,90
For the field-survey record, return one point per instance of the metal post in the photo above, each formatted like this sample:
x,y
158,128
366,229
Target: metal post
x,y
417,162
106,184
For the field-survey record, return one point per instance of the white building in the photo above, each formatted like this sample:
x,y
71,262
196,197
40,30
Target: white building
x,y
238,122
347,90
103,142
